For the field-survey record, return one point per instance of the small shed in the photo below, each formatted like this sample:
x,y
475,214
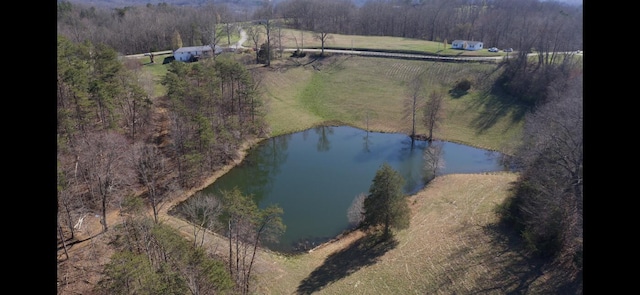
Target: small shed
x,y
193,53
466,45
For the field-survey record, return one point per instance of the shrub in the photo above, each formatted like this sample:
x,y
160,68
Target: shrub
x,y
460,88
298,53
463,86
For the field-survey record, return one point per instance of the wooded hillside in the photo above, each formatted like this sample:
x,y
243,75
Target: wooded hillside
x,y
519,24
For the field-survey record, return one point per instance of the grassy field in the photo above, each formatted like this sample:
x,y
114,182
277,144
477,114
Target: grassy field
x,y
452,245
152,74
371,93
305,39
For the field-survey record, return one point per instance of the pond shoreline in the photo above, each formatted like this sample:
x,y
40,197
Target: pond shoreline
x,y
300,239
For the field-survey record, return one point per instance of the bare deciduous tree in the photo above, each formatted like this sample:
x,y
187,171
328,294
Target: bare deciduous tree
x,y
62,238
265,19
322,28
105,170
214,30
279,38
153,173
433,160
415,101
433,113
247,228
550,195
299,47
355,213
203,210
255,35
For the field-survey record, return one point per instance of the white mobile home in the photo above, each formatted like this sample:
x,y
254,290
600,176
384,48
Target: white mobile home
x,y
466,45
193,53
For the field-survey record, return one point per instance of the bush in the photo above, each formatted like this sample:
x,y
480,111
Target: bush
x,y
543,246
298,53
168,59
463,85
262,54
461,88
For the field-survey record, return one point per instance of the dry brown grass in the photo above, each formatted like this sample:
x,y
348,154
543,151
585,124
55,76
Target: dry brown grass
x,y
450,248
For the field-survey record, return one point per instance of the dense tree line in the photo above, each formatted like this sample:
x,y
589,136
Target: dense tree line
x,y
528,80
546,26
104,120
99,106
115,140
213,108
547,206
521,24
138,29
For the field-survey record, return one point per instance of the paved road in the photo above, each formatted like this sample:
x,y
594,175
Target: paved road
x,y
423,57
403,55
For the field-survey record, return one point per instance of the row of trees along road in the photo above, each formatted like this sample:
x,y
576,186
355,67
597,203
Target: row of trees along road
x,y
545,26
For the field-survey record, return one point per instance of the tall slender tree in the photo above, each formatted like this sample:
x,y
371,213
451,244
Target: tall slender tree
x,y
153,173
105,170
433,113
176,40
433,160
254,33
265,17
247,228
415,101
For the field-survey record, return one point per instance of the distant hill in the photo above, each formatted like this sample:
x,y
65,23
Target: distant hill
x,y
237,3
230,3
251,4
123,3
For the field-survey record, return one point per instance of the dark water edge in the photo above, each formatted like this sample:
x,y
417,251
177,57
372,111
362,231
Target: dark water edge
x,y
315,174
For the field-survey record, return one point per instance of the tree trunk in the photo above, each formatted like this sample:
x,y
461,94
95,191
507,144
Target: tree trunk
x,y
230,250
64,243
104,214
253,256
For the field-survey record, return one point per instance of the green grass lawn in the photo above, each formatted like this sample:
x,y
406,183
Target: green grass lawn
x,y
371,93
305,39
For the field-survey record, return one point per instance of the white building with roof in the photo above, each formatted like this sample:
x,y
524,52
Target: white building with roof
x,y
466,45
193,53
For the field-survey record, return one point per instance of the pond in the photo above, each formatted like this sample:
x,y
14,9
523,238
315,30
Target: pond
x,y
314,175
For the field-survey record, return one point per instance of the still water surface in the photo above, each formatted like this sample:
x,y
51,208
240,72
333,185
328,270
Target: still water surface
x,y
314,175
